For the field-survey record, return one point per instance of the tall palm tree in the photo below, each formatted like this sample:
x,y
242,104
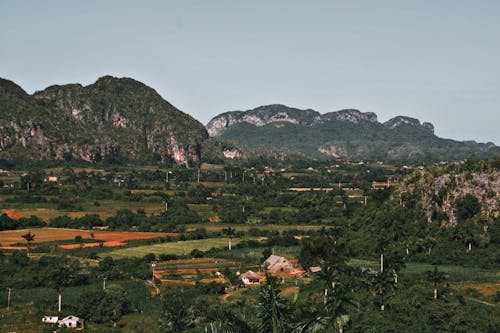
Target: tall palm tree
x,y
29,237
382,284
272,309
333,316
436,277
230,233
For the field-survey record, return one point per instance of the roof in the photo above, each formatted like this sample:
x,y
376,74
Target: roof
x,y
273,260
71,318
250,275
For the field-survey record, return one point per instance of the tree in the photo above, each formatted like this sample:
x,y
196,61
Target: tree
x,y
435,277
382,284
177,314
272,309
29,237
79,240
467,207
104,306
230,233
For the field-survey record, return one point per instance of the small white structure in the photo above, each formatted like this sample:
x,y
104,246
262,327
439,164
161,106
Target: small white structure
x,y
52,179
70,322
50,319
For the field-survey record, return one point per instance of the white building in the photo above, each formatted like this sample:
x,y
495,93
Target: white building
x,y
70,322
50,319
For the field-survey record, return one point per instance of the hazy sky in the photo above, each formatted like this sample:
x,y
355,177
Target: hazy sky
x,y
436,60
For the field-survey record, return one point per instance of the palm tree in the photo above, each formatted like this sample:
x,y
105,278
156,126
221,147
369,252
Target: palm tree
x,y
382,284
272,309
230,233
29,237
436,277
332,316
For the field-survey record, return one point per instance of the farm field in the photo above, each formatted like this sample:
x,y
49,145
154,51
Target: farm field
x,y
10,237
177,248
210,227
106,208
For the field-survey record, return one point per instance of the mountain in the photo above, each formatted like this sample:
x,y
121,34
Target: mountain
x,y
347,134
115,119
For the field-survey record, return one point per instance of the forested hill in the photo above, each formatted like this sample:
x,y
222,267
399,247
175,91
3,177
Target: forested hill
x,y
349,134
114,119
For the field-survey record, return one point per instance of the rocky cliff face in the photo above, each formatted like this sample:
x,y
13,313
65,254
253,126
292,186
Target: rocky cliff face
x,y
114,118
400,121
437,191
348,134
264,115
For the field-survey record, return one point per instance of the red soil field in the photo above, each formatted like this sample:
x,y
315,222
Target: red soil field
x,y
111,238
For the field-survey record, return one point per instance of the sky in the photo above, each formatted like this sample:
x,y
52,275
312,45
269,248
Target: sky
x,y
435,60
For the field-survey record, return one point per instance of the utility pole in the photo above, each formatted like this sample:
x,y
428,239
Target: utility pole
x,y
59,291
153,265
8,298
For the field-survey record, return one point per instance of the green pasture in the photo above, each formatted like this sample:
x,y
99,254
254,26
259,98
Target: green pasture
x,y
178,248
454,273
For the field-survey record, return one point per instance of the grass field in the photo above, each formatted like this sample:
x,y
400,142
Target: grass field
x,y
211,227
106,208
178,248
454,273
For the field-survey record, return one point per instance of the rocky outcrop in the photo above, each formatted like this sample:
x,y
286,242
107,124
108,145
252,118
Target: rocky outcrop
x,y
114,118
350,134
351,115
264,115
439,191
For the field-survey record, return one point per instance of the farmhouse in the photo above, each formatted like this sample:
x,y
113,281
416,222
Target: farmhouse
x,y
250,277
276,265
70,322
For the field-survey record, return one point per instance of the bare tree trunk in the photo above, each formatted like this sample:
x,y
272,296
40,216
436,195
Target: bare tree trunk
x,y
435,293
229,244
341,328
324,297
381,262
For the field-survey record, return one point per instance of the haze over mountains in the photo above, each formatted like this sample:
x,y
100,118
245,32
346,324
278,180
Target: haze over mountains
x,y
120,119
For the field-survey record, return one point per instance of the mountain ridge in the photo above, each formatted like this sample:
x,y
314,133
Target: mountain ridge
x,y
347,134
